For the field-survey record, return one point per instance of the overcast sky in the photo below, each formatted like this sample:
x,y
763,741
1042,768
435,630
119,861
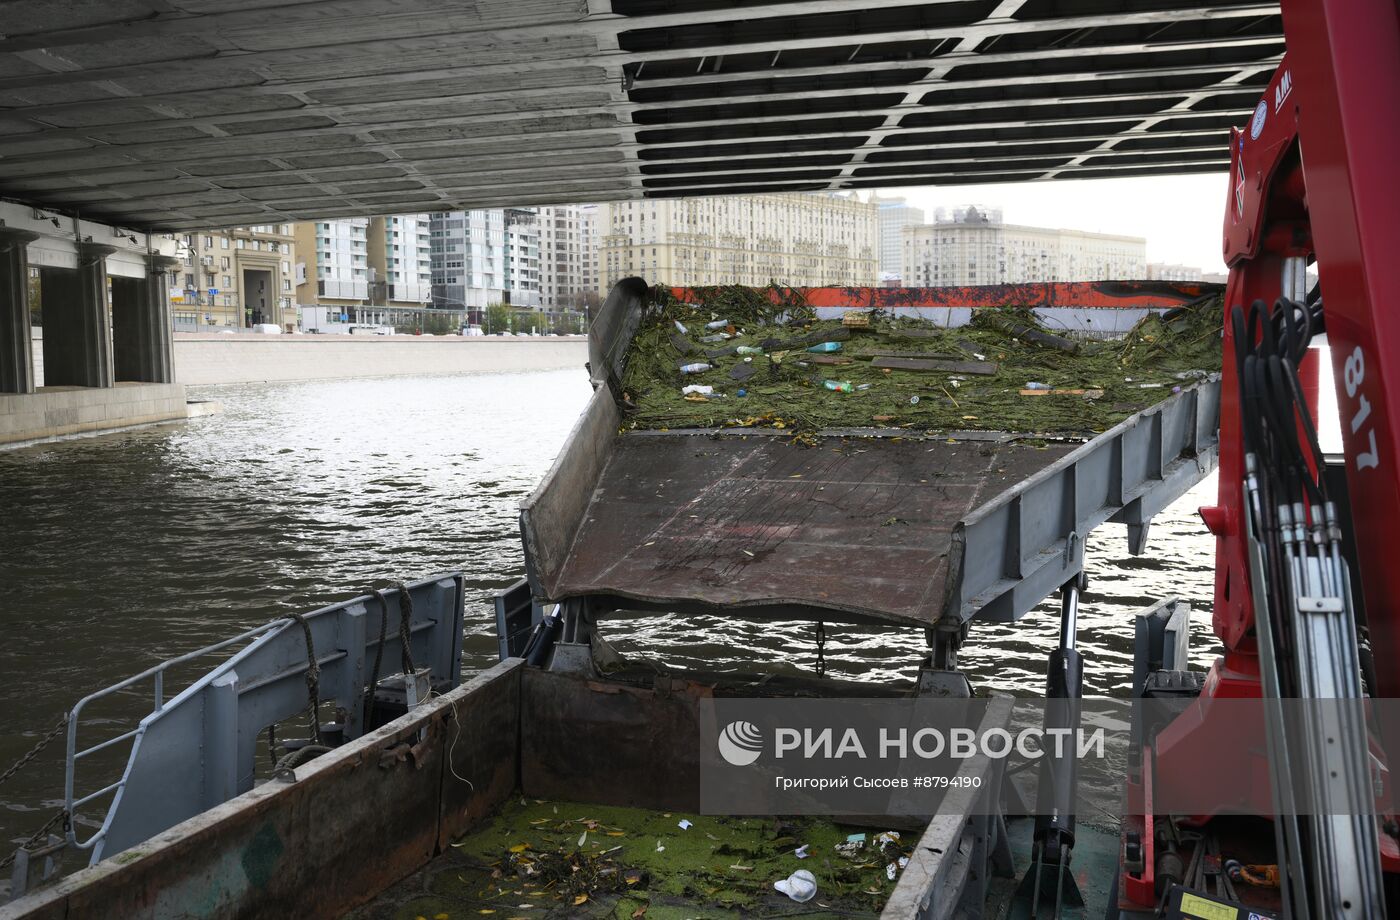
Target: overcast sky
x,y
1180,216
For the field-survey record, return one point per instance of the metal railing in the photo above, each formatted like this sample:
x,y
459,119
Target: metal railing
x,y
197,749
157,675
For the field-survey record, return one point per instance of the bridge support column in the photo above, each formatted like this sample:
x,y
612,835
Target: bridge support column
x,y
142,343
77,323
16,348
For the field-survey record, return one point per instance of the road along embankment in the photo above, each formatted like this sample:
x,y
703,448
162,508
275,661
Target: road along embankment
x,y
206,359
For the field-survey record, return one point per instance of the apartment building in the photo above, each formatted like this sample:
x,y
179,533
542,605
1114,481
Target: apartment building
x,y
522,276
361,262
566,252
468,258
895,214
973,245
1164,271
798,239
234,279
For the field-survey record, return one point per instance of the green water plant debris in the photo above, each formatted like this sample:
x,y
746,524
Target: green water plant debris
x,y
563,859
902,372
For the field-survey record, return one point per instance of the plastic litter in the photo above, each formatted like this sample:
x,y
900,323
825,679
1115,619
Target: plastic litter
x,y
913,400
748,350
684,824
699,368
1036,385
801,852
680,327
840,386
885,837
717,324
743,393
893,868
825,347
801,886
703,389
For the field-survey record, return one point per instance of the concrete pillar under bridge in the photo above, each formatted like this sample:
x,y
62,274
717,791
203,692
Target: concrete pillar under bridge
x,y
77,323
142,343
100,367
16,348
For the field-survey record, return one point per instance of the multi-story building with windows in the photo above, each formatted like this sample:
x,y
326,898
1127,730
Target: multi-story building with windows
x,y
522,276
565,244
404,260
468,257
895,214
360,263
1164,271
802,239
972,245
235,278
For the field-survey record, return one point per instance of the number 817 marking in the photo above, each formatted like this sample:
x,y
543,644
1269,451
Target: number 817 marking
x,y
1353,373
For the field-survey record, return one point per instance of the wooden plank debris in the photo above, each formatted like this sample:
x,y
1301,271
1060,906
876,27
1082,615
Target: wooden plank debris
x,y
936,366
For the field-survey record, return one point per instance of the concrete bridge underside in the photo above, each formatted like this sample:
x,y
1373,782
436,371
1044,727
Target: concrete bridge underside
x,y
181,114
121,120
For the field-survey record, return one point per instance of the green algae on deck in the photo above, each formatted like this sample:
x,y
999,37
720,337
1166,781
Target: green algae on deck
x,y
695,875
1132,373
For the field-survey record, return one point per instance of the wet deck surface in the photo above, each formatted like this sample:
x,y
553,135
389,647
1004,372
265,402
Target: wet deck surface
x,y
859,526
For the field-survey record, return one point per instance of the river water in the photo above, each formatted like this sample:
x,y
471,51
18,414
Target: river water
x,y
120,550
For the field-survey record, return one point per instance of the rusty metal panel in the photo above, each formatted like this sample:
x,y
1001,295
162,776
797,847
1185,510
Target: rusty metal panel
x,y
1081,294
354,822
858,527
610,744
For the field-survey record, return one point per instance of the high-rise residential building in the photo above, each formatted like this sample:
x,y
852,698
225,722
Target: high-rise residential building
x,y
404,261
234,279
895,214
468,251
364,262
972,245
801,239
522,276
334,262
589,277
1163,271
563,243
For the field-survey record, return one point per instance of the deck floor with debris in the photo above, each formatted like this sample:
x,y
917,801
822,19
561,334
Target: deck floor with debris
x,y
539,859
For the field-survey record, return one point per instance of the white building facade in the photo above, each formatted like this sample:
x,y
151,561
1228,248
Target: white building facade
x,y
972,245
468,257
408,258
797,239
522,281
895,214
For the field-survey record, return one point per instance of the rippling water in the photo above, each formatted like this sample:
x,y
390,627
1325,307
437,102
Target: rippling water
x,y
120,550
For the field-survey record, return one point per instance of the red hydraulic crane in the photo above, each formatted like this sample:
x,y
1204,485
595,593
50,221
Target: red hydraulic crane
x,y
1306,572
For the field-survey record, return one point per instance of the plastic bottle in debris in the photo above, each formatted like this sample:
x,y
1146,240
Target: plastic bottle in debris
x,y
1034,385
748,350
697,368
825,347
680,327
840,386
717,324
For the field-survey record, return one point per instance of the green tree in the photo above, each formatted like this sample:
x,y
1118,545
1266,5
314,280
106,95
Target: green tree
x,y
497,319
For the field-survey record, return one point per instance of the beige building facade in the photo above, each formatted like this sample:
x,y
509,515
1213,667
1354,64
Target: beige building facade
x,y
234,279
801,240
973,245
